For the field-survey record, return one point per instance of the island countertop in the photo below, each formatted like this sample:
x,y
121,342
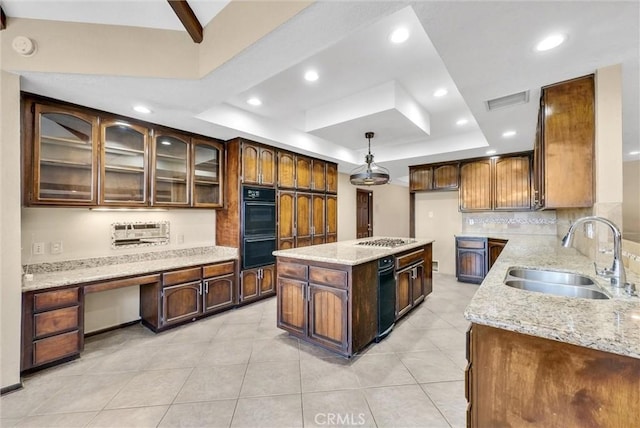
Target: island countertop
x,y
349,252
611,325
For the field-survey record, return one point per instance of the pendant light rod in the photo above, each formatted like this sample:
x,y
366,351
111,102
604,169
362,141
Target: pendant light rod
x,y
369,174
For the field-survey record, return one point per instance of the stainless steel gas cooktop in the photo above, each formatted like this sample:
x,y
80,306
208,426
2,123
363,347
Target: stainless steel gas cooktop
x,y
386,242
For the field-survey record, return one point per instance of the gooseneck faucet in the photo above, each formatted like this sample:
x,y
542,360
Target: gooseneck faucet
x,y
617,273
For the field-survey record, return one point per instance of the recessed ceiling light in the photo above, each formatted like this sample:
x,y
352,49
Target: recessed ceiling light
x,y
491,152
142,109
635,152
311,76
254,101
550,42
399,35
507,134
440,92
462,121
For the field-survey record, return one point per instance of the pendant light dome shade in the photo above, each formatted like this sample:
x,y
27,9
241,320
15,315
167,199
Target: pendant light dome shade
x,y
369,174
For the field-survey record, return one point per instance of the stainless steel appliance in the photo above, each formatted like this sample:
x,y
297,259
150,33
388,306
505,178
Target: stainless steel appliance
x,y
386,242
258,226
386,296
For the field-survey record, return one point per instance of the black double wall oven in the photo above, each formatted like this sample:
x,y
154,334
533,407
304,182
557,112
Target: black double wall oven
x,y
258,226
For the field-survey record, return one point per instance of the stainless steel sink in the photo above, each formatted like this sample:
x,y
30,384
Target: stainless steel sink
x,y
557,289
551,276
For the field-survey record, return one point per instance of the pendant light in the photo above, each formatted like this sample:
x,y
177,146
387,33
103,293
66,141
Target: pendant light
x,y
369,174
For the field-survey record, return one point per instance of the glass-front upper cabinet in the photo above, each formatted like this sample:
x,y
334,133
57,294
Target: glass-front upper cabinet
x,y
64,156
171,180
207,174
123,163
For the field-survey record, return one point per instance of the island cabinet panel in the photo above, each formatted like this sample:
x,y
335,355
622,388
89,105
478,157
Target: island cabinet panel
x,y
403,293
518,380
292,304
328,312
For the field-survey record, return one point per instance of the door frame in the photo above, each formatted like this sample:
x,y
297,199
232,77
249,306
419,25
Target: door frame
x,y
369,194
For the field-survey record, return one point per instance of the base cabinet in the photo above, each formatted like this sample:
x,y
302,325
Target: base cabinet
x,y
475,256
518,380
257,283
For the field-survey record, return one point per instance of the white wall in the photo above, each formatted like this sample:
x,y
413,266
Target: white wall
x,y
10,285
437,217
390,209
631,201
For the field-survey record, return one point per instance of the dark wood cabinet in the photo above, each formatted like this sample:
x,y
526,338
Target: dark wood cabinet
x,y
303,173
319,176
286,219
514,379
181,302
434,177
170,180
494,248
332,219
286,170
318,218
564,147
219,283
411,280
207,165
258,164
328,314
331,177
52,326
476,186
257,283
306,219
292,303
471,259
303,213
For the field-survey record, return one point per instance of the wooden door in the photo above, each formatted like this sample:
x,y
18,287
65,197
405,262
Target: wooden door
x,y
512,189
249,285
417,284
267,166
303,219
364,213
319,181
181,302
318,219
332,177
218,292
445,177
495,247
267,280
171,176
420,178
286,220
286,170
332,219
303,173
292,305
250,164
328,313
471,265
206,173
403,292
475,186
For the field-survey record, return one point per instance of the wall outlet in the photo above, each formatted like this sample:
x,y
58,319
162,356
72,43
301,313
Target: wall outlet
x,y
37,248
56,247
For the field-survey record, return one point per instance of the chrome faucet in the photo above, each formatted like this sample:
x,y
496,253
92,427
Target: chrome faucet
x,y
616,273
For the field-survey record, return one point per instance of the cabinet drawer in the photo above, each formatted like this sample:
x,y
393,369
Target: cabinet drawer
x,y
55,299
407,259
218,269
480,243
56,347
332,277
50,322
180,276
292,270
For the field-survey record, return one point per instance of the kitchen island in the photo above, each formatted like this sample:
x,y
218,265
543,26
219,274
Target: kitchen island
x,y
329,294
542,360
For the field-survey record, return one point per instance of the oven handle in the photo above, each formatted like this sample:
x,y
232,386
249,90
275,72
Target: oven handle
x,y
261,238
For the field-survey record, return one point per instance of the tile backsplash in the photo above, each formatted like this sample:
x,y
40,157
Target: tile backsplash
x,y
534,222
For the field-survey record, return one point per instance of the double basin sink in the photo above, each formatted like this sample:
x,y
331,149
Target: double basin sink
x,y
553,282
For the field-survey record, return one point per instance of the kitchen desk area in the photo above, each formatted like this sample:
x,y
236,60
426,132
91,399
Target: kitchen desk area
x,y
546,360
329,294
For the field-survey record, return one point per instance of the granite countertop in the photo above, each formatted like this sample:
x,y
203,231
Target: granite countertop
x,y
58,274
349,252
607,325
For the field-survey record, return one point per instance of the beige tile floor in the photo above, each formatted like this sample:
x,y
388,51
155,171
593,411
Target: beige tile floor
x,y
237,369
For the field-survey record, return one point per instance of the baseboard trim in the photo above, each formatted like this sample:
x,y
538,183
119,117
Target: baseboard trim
x,y
10,388
112,328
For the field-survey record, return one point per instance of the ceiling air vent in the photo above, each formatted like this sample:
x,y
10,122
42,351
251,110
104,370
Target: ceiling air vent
x,y
508,100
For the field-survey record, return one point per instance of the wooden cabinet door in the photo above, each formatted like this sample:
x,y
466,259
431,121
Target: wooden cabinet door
x,y
171,172
303,219
292,305
249,285
318,219
303,173
65,157
181,302
495,247
250,164
404,299
328,313
471,265
123,163
218,292
445,177
475,186
267,280
420,178
286,170
417,284
332,219
206,174
267,166
319,180
286,220
332,177
512,189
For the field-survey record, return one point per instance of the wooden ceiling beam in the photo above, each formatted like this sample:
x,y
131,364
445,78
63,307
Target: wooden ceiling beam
x,y
188,18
